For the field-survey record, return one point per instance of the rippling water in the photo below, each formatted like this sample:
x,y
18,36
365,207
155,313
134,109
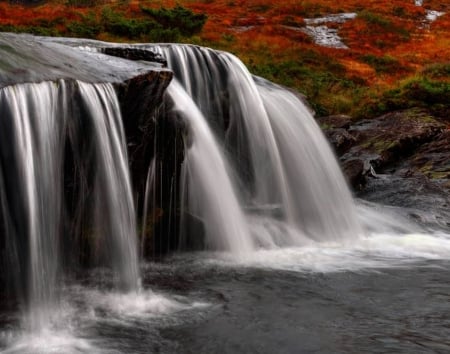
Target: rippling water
x,y
386,293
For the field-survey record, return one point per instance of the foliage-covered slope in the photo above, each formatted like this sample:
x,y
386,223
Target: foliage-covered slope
x,y
397,55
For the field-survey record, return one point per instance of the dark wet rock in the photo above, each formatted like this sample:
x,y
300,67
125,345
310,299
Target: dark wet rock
x,y
395,136
335,121
433,159
356,172
140,98
341,139
405,143
423,199
135,54
336,129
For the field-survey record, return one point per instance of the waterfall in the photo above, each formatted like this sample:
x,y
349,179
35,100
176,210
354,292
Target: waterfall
x,y
37,124
149,187
113,196
32,139
320,202
282,161
209,193
257,172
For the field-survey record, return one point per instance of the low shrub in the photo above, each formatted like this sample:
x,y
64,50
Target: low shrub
x,y
36,30
184,20
87,27
384,64
384,23
419,92
437,71
119,25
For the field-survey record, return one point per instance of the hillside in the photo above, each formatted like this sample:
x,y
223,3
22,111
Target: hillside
x,y
373,57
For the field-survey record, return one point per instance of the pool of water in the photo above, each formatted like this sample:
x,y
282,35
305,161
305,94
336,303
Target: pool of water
x,y
384,293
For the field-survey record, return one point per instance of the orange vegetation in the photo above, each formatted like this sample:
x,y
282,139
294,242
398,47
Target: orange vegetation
x,y
391,32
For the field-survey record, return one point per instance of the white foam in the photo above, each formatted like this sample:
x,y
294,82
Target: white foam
x,y
137,305
82,309
47,341
376,251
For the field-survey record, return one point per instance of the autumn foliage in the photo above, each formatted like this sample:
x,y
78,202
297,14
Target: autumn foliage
x,y
390,42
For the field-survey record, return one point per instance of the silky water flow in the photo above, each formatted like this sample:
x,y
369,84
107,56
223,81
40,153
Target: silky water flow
x,y
36,120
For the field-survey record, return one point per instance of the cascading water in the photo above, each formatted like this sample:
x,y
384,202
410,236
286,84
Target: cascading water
x,y
281,157
149,187
320,201
32,129
113,197
209,190
34,125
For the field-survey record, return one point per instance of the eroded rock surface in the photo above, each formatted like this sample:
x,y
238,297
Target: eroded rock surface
x,y
404,143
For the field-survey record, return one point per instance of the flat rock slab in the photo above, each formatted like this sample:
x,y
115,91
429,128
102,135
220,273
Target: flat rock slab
x,y
26,58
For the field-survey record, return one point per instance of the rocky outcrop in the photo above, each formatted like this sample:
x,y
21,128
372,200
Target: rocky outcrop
x,y
404,143
433,159
25,58
401,159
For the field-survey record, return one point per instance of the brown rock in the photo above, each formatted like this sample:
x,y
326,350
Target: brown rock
x,y
355,172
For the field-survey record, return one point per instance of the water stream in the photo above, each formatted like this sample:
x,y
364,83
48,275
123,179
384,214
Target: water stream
x,y
35,125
